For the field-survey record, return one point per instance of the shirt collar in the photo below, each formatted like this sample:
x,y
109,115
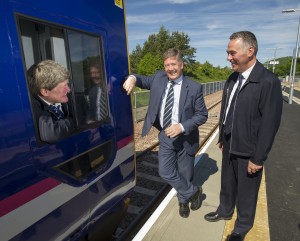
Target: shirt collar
x,y
47,102
178,81
248,72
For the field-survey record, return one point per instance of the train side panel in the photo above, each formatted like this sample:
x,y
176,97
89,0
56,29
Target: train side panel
x,y
78,186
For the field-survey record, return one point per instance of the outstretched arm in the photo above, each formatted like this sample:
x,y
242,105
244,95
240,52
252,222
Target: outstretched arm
x,y
129,84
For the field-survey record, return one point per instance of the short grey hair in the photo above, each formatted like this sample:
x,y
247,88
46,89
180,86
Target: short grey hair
x,y
46,74
248,39
173,52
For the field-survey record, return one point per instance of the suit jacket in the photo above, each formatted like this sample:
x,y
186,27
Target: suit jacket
x,y
192,109
50,127
257,113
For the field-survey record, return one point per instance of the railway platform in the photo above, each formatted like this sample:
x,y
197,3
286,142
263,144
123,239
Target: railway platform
x,y
165,224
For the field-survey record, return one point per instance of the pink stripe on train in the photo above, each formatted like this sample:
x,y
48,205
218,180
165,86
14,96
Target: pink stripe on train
x,y
13,202
26,195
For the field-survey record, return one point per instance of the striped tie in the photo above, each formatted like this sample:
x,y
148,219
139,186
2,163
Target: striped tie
x,y
169,106
56,110
103,107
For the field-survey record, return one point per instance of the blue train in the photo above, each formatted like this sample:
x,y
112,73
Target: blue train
x,y
77,187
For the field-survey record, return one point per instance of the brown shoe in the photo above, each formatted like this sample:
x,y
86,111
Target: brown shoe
x,y
196,199
184,210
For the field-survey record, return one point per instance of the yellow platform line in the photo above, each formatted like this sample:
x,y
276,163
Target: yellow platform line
x,y
260,230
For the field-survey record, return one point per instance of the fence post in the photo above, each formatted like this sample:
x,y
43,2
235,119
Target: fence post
x,y
135,110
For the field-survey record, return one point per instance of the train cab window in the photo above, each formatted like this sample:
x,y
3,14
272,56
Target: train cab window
x,y
81,166
41,42
82,55
88,76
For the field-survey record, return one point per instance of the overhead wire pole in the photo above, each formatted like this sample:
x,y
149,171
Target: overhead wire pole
x,y
274,57
267,61
295,57
291,69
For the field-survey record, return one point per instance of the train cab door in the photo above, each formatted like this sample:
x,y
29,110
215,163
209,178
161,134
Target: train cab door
x,y
71,164
62,187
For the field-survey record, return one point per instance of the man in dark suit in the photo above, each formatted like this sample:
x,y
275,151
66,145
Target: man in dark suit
x,y
179,137
250,117
49,86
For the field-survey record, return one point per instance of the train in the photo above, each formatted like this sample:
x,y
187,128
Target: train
x,y
77,187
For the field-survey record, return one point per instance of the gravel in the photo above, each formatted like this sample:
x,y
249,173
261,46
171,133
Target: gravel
x,y
142,143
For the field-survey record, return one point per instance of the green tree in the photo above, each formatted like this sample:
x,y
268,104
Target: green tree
x,y
284,67
157,44
207,72
149,64
147,59
181,41
135,57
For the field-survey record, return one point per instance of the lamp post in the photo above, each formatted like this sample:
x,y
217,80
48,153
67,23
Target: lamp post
x,y
295,57
274,58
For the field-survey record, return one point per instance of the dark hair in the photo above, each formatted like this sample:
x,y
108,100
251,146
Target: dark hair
x,y
96,64
248,39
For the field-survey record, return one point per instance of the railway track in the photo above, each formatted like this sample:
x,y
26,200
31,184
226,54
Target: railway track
x,y
150,188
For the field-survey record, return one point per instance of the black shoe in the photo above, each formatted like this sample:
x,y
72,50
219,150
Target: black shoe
x,y
235,237
184,210
196,199
214,217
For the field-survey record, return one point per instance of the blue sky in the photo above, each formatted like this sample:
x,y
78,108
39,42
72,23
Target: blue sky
x,y
209,24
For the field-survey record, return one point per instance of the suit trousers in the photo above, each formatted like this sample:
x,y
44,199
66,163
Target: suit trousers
x,y
176,167
238,188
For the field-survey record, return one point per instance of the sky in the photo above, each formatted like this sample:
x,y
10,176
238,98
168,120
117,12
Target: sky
x,y
209,24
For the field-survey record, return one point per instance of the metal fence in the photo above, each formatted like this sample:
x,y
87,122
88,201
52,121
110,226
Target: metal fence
x,y
141,98
212,87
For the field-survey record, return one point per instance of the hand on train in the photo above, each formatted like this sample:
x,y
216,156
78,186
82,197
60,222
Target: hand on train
x,y
129,84
173,130
253,168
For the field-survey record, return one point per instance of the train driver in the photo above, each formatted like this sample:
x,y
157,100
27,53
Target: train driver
x,y
48,83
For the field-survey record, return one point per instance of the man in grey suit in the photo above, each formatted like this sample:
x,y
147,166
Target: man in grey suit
x,y
249,120
179,137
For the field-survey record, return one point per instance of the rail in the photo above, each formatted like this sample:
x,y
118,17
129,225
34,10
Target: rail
x,y
151,189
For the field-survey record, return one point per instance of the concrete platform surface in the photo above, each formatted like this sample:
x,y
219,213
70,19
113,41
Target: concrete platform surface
x,y
282,172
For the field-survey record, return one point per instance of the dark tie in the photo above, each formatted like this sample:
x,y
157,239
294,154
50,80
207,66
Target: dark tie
x,y
229,118
169,106
56,109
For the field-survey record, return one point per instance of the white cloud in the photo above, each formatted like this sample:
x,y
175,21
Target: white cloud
x,y
150,19
180,1
210,23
